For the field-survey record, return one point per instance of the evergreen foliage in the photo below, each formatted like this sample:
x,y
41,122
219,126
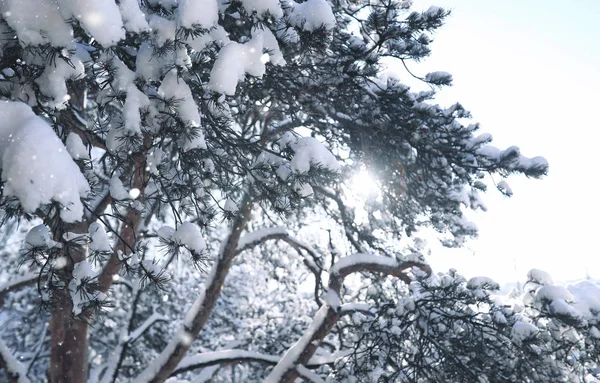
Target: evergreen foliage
x,y
211,147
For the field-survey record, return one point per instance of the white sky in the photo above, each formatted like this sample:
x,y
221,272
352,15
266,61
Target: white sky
x,y
528,70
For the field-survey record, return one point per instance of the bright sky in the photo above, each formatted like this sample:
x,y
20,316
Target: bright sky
x,y
529,71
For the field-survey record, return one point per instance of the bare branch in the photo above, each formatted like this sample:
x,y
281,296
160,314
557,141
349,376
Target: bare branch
x,y
344,215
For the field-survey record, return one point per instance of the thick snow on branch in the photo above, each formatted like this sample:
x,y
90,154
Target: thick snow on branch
x,y
101,18
511,158
191,13
311,15
32,29
98,239
308,152
256,237
53,81
76,147
349,308
236,60
361,259
134,18
228,356
36,167
262,7
522,331
217,357
540,277
174,87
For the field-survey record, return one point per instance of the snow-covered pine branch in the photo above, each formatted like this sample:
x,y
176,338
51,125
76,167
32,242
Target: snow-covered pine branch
x,y
138,136
327,316
239,356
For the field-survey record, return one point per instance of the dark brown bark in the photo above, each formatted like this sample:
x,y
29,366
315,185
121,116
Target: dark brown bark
x,y
127,237
69,354
68,336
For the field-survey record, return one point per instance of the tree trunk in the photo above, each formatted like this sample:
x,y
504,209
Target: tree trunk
x,y
68,336
68,355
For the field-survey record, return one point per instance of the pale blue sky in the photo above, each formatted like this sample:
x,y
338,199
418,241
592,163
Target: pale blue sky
x,y
529,73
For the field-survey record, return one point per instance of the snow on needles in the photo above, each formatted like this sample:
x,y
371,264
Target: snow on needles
x,y
522,331
235,60
540,277
311,14
187,234
39,236
191,13
101,18
308,152
98,237
36,167
176,88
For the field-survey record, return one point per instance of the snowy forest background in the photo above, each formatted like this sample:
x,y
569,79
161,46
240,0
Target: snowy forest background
x,y
183,200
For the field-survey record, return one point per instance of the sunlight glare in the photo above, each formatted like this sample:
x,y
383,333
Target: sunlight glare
x,y
364,184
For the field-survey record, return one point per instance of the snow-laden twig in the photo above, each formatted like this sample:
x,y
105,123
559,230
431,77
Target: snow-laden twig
x,y
258,237
291,358
350,308
138,332
261,236
220,357
236,356
14,369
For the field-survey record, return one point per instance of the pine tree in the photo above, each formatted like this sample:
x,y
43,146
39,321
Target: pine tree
x,y
162,140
